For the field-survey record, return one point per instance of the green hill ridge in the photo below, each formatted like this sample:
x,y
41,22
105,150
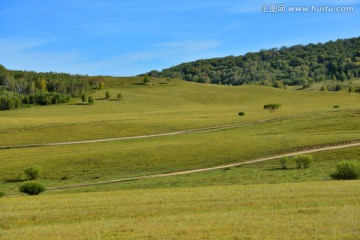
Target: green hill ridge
x,y
296,65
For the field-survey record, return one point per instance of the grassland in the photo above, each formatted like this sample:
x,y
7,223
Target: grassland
x,y
232,203
159,108
314,210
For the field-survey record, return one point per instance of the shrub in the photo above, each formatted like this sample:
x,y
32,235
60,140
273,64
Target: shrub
x,y
338,87
323,88
146,80
32,172
119,96
351,89
303,161
336,106
91,100
284,162
241,113
306,160
2,193
107,95
83,98
347,170
272,107
298,162
32,188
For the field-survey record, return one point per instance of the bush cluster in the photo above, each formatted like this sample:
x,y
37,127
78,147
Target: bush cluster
x,y
33,172
300,161
32,188
347,170
284,162
303,161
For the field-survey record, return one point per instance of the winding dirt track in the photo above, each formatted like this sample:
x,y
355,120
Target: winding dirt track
x,y
335,146
319,149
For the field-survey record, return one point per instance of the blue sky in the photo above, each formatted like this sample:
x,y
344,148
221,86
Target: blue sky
x,y
130,37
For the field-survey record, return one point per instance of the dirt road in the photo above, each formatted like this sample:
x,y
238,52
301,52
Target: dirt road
x,y
319,149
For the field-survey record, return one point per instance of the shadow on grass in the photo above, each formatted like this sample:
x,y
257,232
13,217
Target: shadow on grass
x,y
79,104
15,180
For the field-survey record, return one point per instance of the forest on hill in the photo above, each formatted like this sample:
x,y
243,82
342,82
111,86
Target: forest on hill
x,y
296,65
18,88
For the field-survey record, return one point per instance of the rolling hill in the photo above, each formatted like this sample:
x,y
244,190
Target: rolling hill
x,y
296,65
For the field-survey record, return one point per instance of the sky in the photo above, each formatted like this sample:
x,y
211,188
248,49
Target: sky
x,y
131,37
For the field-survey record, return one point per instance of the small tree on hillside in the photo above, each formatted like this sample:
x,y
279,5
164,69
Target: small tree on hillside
x,y
33,172
101,85
279,84
91,100
119,96
83,98
107,95
146,80
351,89
272,107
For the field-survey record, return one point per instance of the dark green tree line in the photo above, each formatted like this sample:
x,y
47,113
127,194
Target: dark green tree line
x,y
27,87
297,65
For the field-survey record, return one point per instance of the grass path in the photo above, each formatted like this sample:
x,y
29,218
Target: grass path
x,y
306,151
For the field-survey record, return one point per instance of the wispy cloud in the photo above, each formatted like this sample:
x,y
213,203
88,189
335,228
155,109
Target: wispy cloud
x,y
10,45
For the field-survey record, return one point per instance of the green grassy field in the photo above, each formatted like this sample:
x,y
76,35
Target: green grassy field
x,y
232,203
159,108
314,210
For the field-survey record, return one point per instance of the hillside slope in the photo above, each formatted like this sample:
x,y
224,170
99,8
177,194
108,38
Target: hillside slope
x,y
296,65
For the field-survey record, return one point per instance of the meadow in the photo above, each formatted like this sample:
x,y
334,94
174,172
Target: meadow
x,y
252,201
314,210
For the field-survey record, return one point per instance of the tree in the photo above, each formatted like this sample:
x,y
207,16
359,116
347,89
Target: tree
x,y
101,85
91,100
32,172
272,107
107,95
119,96
42,84
351,89
146,80
83,98
279,84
